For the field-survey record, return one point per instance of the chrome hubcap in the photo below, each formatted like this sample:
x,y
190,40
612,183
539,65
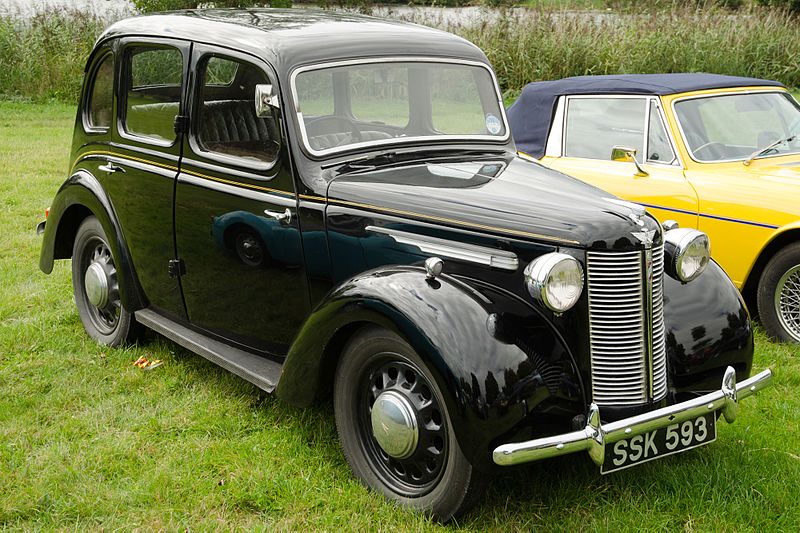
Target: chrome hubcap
x,y
787,302
96,285
394,424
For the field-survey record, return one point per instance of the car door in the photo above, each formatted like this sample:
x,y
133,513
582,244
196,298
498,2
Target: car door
x,y
590,126
141,165
236,223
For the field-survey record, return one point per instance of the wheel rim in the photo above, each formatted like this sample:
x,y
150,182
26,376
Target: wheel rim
x,y
248,248
787,302
413,462
100,287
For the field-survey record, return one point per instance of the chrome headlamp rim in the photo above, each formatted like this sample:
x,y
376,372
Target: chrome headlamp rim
x,y
538,275
676,242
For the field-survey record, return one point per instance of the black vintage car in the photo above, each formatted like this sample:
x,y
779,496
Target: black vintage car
x,y
332,204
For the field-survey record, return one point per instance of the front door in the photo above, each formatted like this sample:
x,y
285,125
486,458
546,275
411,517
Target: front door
x,y
236,211
142,162
594,125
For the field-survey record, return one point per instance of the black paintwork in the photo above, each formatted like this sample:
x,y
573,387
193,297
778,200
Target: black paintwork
x,y
511,368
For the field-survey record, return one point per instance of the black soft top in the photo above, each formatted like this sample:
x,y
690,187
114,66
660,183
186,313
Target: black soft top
x,y
288,38
530,116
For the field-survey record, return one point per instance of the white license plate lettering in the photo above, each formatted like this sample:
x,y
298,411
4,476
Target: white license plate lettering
x,y
664,441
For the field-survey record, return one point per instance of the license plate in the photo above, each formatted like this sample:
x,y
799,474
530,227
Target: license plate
x,y
659,443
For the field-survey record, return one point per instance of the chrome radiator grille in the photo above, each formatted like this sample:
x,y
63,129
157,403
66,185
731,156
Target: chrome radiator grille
x,y
625,370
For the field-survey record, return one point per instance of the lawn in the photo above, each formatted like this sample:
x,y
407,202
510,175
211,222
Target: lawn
x,y
89,441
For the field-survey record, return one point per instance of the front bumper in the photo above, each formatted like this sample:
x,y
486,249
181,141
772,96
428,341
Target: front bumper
x,y
595,436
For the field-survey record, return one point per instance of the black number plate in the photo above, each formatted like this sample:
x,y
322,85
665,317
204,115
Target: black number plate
x,y
660,443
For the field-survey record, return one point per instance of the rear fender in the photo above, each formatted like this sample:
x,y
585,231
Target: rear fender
x,y
81,196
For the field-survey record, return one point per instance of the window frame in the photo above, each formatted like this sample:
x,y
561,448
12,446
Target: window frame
x,y
194,109
714,95
89,92
125,78
365,145
562,120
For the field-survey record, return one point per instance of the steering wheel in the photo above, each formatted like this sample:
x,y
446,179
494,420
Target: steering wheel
x,y
709,145
319,123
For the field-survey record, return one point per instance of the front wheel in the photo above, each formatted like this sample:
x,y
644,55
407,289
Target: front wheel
x,y
95,281
779,295
395,430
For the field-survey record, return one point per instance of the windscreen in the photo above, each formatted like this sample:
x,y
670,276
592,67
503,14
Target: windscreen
x,y
388,102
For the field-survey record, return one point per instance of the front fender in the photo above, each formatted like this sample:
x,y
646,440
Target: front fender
x,y
495,359
78,197
708,328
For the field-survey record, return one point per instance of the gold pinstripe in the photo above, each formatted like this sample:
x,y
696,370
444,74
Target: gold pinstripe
x,y
370,207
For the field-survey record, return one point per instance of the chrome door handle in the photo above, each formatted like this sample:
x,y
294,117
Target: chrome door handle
x,y
111,167
284,218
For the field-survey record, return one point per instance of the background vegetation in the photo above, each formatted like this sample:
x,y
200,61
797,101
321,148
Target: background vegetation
x,y
42,57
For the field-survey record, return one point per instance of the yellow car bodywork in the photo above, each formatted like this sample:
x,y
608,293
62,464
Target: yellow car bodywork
x,y
749,212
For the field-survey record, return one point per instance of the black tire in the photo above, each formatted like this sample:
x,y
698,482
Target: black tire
x,y
443,484
779,295
109,323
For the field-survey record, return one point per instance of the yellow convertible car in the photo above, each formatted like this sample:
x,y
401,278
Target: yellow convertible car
x,y
717,153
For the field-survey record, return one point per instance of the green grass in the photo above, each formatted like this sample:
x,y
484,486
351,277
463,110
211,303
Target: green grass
x,y
89,441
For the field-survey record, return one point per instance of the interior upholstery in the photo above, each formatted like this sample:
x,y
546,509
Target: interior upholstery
x,y
232,127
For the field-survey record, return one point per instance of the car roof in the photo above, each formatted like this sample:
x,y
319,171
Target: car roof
x,y
288,38
530,116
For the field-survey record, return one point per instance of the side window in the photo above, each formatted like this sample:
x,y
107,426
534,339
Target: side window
x,y
101,95
659,148
226,119
595,125
153,92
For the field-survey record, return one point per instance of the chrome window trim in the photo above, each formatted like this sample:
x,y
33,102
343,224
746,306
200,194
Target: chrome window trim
x,y
648,98
472,253
401,140
715,95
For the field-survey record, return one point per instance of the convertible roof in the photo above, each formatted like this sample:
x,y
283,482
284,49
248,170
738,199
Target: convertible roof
x,y
530,116
291,37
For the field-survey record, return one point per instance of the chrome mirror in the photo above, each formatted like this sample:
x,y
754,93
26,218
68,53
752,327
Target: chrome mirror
x,y
266,100
625,154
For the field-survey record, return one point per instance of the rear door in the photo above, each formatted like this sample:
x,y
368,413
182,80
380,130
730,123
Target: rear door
x,y
236,222
143,160
592,125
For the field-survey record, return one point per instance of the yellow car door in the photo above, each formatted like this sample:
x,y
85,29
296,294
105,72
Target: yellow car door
x,y
586,130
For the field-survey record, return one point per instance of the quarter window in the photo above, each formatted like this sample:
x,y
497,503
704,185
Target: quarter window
x,y
153,92
227,124
596,125
659,148
101,95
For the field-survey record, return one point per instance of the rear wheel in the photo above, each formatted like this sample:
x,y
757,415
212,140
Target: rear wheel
x,y
395,430
95,282
779,295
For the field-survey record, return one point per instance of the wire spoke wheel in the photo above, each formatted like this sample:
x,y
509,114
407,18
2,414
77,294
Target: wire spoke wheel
x,y
787,302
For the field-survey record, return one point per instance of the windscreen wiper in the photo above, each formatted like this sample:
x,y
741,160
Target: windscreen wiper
x,y
757,153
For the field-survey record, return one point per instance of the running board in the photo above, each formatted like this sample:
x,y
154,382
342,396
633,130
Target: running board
x,y
261,372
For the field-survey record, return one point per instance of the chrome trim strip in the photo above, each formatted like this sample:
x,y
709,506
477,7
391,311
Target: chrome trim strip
x,y
241,192
647,267
402,140
472,253
595,436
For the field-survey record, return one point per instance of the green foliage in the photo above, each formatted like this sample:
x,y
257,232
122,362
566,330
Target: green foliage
x,y
150,6
792,6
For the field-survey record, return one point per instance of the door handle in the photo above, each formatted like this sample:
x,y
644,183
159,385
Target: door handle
x,y
111,167
284,218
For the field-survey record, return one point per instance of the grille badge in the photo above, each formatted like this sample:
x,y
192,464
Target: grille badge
x,y
645,236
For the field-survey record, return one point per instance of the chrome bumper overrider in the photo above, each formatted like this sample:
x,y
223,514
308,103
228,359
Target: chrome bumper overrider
x,y
594,437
